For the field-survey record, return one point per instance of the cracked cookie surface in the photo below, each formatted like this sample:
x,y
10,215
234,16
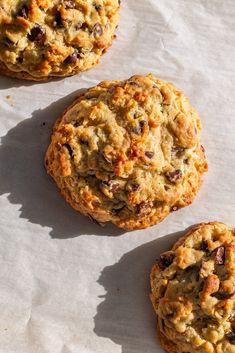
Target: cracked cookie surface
x,y
40,39
193,292
128,152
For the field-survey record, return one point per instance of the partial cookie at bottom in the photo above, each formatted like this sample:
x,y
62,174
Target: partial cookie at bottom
x,y
193,292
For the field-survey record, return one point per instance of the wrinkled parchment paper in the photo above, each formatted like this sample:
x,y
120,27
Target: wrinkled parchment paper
x,y
66,285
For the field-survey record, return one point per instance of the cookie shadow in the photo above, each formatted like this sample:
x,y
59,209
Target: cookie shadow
x,y
126,315
24,179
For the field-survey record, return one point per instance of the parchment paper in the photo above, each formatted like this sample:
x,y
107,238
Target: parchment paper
x,y
66,285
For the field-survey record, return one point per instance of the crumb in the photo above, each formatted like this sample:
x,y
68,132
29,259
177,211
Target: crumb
x,y
9,99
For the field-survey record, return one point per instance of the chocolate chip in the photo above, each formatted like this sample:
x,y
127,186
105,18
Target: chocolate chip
x,y
98,7
136,115
135,187
201,286
37,34
24,12
71,59
78,26
176,150
231,337
173,177
139,129
166,187
58,19
20,60
97,30
222,295
70,4
84,142
77,123
83,26
134,83
116,211
143,123
219,255
143,208
149,154
69,148
165,260
8,42
204,245
113,185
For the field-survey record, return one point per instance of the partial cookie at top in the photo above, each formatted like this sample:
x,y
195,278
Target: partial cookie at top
x,y
128,152
193,292
41,39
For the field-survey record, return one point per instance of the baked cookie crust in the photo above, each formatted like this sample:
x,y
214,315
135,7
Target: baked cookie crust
x,y
193,291
128,152
41,39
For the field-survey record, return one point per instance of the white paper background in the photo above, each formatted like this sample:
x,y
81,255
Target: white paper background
x,y
66,285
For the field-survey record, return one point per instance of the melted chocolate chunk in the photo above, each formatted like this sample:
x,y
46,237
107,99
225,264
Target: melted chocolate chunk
x,y
219,255
8,42
58,19
149,154
83,26
204,245
231,337
97,30
134,83
37,34
113,185
139,129
135,187
72,59
84,142
222,295
116,211
24,12
173,177
98,7
176,150
143,208
165,260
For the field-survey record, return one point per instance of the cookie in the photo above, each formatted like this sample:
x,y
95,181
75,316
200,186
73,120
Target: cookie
x,y
128,152
41,39
193,292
